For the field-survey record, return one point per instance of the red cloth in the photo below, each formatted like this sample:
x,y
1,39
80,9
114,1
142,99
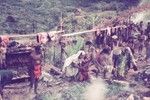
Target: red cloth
x,y
37,71
5,39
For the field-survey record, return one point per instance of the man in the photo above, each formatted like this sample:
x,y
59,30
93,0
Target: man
x,y
105,61
141,27
147,30
127,60
83,68
116,52
89,64
147,49
141,39
35,70
99,40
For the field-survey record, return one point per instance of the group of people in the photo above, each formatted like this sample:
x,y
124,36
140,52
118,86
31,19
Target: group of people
x,y
111,53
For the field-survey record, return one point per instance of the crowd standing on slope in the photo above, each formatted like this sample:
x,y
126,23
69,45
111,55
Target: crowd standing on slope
x,y
111,54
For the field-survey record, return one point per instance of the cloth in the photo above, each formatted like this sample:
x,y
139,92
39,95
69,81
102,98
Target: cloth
x,y
117,60
2,56
42,37
72,59
117,50
122,68
108,31
37,71
5,39
68,68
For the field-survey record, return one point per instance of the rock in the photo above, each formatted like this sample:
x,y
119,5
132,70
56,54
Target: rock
x,y
131,97
46,77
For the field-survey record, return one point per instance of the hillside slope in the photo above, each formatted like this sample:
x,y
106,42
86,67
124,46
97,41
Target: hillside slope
x,y
27,16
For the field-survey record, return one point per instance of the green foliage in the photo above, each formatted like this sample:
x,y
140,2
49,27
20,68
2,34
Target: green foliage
x,y
45,15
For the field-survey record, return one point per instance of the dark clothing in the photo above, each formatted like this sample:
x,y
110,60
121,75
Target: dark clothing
x,y
5,78
99,40
35,70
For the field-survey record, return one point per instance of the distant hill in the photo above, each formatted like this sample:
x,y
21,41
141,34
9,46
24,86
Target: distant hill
x,y
27,16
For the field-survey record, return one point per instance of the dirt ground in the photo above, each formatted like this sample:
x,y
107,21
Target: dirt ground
x,y
57,87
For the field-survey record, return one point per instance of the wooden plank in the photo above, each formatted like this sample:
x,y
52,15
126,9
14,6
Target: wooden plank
x,y
91,31
15,36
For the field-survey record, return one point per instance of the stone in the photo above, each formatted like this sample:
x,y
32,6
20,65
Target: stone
x,y
131,97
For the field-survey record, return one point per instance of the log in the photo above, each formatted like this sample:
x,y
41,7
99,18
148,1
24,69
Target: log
x,y
51,67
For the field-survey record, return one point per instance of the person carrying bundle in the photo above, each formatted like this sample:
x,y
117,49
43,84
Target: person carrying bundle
x,y
70,68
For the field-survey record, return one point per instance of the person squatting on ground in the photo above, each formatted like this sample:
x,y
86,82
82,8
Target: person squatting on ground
x,y
35,69
70,68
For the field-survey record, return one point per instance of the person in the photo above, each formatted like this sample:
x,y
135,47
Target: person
x,y
35,69
141,39
99,40
70,66
2,54
90,60
147,30
127,60
125,35
105,61
141,27
116,52
83,68
147,49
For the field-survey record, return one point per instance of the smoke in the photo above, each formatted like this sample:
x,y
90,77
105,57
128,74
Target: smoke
x,y
96,90
143,16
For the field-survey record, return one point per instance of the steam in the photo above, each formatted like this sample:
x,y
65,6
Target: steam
x,y
143,16
96,90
